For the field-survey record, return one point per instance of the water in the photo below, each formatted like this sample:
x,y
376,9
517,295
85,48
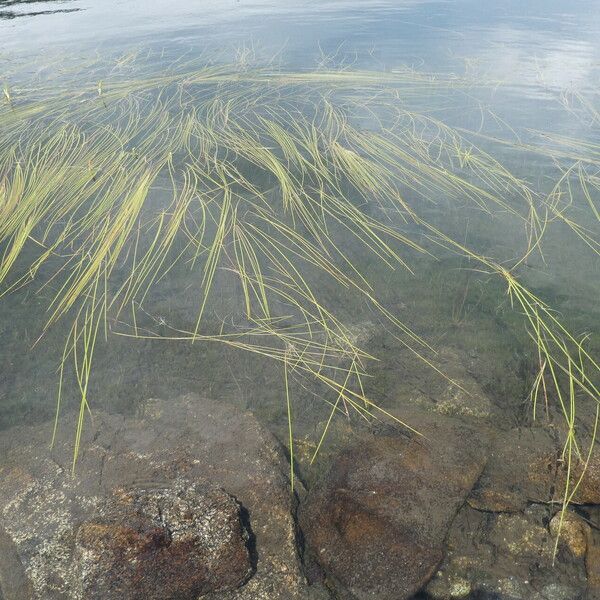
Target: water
x,y
526,43
517,78
535,57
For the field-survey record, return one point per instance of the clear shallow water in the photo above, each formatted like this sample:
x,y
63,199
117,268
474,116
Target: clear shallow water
x,y
488,111
528,63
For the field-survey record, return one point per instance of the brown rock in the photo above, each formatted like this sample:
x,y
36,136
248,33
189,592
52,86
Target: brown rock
x,y
376,522
163,545
574,533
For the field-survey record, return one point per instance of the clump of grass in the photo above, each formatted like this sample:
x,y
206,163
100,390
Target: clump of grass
x,y
271,176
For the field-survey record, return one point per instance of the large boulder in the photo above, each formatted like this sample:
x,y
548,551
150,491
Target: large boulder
x,y
190,498
376,523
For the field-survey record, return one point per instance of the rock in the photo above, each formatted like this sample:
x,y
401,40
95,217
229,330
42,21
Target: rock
x,y
556,591
508,556
522,537
451,588
514,473
185,469
13,579
459,394
468,400
376,522
592,563
588,491
162,545
572,531
524,467
511,588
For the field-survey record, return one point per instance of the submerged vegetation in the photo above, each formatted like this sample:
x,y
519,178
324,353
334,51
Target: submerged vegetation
x,y
113,173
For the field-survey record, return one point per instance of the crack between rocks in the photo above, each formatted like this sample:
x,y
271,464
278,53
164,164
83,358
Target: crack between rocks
x,y
299,542
246,524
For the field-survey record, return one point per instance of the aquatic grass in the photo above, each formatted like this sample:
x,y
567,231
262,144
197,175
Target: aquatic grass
x,y
284,180
563,361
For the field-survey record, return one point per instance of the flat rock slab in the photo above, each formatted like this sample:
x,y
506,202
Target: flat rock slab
x,y
376,523
189,499
525,466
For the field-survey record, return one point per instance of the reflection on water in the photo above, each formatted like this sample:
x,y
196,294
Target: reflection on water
x,y
526,43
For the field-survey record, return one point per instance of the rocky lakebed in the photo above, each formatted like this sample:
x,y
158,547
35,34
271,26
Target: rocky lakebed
x,y
191,498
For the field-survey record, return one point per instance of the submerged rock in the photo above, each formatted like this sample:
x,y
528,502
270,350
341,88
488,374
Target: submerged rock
x,y
592,563
13,579
191,498
524,466
376,523
162,544
462,393
508,556
573,532
503,542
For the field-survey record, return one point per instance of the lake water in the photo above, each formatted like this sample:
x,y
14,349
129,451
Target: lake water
x,y
493,113
528,64
526,44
